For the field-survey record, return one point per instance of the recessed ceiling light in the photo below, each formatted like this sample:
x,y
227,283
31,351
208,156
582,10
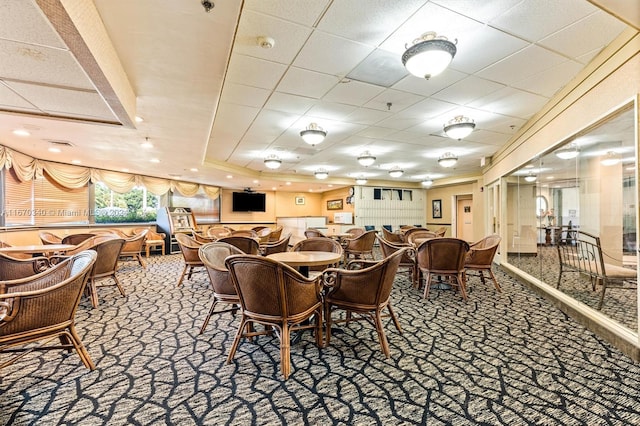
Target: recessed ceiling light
x,y
288,183
193,169
154,160
229,177
125,170
21,132
330,186
256,181
54,149
549,177
76,161
139,119
273,188
146,143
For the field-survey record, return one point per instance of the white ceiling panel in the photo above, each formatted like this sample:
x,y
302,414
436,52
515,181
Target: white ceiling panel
x,y
353,93
482,11
421,86
289,37
331,55
376,132
270,124
289,103
38,33
298,81
518,103
584,36
548,82
10,100
254,72
330,110
305,12
399,100
427,108
534,19
525,63
244,95
367,116
467,90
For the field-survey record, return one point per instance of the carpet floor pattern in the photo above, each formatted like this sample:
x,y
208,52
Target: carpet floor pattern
x,y
500,358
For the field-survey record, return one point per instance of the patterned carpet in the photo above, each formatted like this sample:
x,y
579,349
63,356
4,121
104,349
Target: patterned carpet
x,y
501,358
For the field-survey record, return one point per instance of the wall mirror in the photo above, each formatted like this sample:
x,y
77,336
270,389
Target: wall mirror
x,y
587,183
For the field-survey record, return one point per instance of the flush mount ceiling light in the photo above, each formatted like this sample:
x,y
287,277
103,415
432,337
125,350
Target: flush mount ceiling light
x,y
530,177
313,134
459,127
146,143
321,174
366,159
272,161
428,55
447,160
22,133
611,159
396,172
361,181
427,182
568,152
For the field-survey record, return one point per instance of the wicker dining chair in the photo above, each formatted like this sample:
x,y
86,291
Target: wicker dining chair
x,y
108,252
443,257
355,232
480,258
43,307
213,256
419,235
360,246
75,239
365,292
319,244
392,237
275,234
189,249
276,296
246,244
245,233
49,238
203,239
218,232
408,260
276,247
12,268
312,232
134,245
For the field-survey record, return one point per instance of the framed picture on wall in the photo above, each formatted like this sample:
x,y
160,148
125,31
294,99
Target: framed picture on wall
x,y
334,204
299,200
436,206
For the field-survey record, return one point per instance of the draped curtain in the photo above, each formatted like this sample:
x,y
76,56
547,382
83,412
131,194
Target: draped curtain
x,y
27,168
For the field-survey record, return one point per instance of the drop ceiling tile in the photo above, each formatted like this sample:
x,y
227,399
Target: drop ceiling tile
x,y
376,132
10,100
536,19
591,33
587,57
421,86
59,101
298,81
426,109
467,90
367,116
399,100
330,54
381,68
289,103
510,101
31,63
480,11
271,124
525,63
39,31
352,93
288,37
548,82
494,139
232,121
254,72
244,95
330,110
305,12
371,23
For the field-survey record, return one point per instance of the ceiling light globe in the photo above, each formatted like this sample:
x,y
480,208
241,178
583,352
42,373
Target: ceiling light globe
x,y
321,174
447,160
366,159
361,181
396,173
459,127
313,134
429,55
272,162
611,159
427,183
530,178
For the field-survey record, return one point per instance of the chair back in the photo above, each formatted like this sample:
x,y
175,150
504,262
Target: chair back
x,y
388,248
361,243
481,253
419,234
442,255
133,245
213,256
203,239
248,245
271,290
276,247
108,252
89,243
356,232
75,239
318,244
49,238
12,268
244,233
218,232
391,236
189,248
440,232
263,235
312,232
275,234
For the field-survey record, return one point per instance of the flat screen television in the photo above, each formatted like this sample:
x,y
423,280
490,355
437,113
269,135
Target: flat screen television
x,y
249,202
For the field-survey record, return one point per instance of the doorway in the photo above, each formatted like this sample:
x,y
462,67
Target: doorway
x,y
464,217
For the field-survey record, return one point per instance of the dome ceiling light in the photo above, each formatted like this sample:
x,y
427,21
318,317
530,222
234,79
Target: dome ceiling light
x,y
321,174
427,182
428,55
272,162
361,180
447,160
530,177
568,152
313,134
611,159
459,127
396,172
366,159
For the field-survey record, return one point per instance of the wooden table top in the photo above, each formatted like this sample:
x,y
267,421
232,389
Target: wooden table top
x,y
37,248
306,258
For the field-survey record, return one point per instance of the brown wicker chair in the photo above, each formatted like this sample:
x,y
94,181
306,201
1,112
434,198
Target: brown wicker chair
x,y
43,307
49,238
133,246
263,235
75,239
276,247
245,233
355,232
154,240
275,234
108,251
246,244
480,257
260,228
312,232
189,249
365,292
218,232
213,256
359,247
15,255
12,268
421,234
440,232
392,237
203,239
318,244
443,257
408,261
277,296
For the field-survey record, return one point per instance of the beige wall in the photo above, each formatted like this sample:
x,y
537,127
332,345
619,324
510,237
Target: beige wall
x,y
447,194
336,194
278,204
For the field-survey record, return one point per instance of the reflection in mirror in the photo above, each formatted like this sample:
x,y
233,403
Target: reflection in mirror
x,y
586,186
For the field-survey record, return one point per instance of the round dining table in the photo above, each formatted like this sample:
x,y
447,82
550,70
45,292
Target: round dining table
x,y
38,248
304,259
